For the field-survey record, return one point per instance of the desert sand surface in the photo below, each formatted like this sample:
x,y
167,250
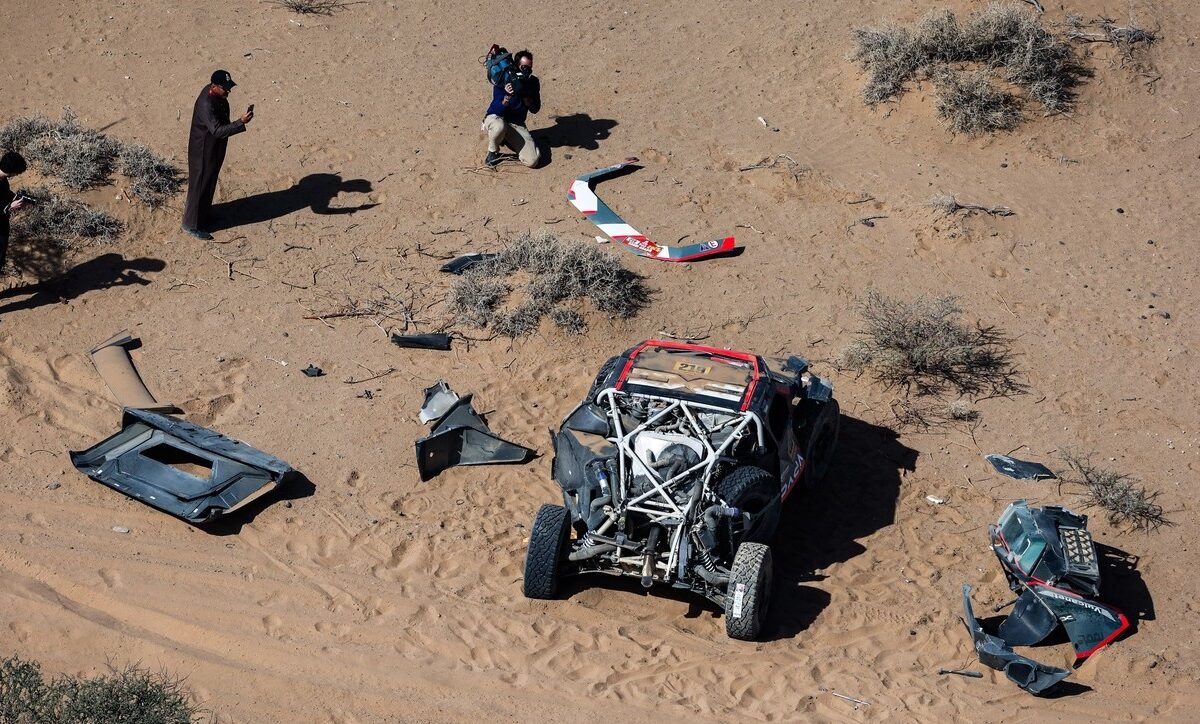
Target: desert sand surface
x,y
368,595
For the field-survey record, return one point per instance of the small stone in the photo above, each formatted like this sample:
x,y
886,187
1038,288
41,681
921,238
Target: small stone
x,y
1164,314
1004,165
120,529
568,156
287,503
1120,210
53,486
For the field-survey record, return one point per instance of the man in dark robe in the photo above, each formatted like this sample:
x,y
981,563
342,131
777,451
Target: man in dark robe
x,y
209,136
11,164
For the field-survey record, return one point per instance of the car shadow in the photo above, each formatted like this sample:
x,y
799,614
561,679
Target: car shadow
x,y
314,192
577,130
103,272
295,487
820,528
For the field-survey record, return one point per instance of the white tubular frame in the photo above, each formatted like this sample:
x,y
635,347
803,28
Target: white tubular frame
x,y
658,504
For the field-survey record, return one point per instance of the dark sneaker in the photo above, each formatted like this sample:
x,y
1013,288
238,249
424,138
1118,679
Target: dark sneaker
x,y
200,234
492,159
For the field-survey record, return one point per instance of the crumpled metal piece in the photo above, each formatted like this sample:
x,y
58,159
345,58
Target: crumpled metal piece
x,y
1026,673
439,398
1020,469
461,437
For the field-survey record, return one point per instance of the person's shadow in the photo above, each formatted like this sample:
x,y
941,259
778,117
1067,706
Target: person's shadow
x,y
578,130
313,192
103,272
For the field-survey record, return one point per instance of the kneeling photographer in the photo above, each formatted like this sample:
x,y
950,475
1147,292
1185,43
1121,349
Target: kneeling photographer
x,y
516,92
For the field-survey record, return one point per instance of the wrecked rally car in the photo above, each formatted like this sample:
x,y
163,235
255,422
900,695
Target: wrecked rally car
x,y
674,469
1050,561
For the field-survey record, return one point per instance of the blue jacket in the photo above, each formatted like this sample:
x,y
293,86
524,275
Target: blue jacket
x,y
514,108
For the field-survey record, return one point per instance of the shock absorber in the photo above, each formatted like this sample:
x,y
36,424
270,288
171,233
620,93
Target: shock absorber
x,y
651,555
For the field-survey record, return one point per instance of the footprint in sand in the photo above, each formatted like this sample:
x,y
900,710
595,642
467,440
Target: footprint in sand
x,y
272,625
21,630
111,578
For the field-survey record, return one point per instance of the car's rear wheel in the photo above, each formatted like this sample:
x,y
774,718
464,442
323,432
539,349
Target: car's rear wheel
x,y
749,594
822,441
755,491
546,552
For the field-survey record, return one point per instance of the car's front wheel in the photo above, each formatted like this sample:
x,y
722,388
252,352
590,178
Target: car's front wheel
x,y
749,594
547,549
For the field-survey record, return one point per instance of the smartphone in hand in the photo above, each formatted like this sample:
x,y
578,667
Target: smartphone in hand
x,y
250,108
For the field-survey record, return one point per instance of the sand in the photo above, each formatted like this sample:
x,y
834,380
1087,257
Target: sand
x,y
370,596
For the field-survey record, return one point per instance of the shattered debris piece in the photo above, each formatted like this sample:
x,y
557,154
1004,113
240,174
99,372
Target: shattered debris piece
x,y
120,529
115,366
1050,560
461,437
935,500
584,198
313,371
439,341
439,398
180,468
460,264
1020,469
1026,673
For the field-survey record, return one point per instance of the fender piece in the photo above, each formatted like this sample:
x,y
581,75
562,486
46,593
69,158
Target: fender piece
x,y
461,437
180,468
994,652
115,366
583,197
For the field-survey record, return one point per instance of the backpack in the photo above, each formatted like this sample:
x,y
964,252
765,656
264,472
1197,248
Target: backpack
x,y
499,63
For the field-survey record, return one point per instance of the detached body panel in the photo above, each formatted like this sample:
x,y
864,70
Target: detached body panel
x,y
180,468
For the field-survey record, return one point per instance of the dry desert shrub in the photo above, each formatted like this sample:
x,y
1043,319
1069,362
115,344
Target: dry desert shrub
x,y
82,158
969,103
554,272
52,218
1002,41
125,696
153,179
1119,495
312,7
923,346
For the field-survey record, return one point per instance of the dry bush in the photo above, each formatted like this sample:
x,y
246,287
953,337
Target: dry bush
x,y
556,271
56,219
124,696
1119,495
568,320
1005,40
949,206
923,414
153,179
312,7
83,158
922,345
80,157
969,103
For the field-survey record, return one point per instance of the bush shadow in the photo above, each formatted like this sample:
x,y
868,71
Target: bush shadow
x,y
314,192
103,272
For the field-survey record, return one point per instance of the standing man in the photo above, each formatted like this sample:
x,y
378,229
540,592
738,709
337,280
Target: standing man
x,y
11,164
209,136
512,99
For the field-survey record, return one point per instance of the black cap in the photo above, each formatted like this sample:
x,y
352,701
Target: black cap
x,y
223,79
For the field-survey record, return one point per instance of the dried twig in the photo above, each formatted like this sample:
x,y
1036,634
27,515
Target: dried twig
x,y
948,205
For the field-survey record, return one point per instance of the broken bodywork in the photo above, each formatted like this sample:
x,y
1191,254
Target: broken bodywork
x,y
180,468
1050,560
171,464
998,654
583,197
673,471
460,436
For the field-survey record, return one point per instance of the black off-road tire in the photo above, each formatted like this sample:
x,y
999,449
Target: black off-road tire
x,y
605,370
547,549
755,491
822,442
749,594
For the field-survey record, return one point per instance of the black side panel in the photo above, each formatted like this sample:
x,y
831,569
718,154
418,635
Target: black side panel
x,y
1025,673
1030,622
